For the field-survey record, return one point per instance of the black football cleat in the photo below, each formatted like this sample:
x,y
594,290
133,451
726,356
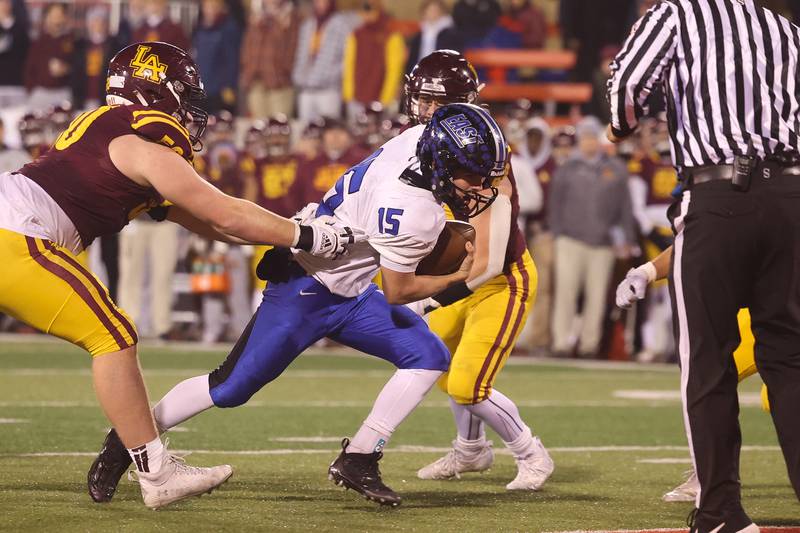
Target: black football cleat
x,y
107,469
359,471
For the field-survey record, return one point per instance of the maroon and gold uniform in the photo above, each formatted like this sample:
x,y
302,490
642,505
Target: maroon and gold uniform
x,y
74,194
98,198
481,329
275,179
223,166
315,177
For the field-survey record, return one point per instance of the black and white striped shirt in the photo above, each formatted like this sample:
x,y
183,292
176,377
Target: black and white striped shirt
x,y
730,71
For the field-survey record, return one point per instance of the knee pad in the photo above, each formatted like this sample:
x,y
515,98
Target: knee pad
x,y
228,394
432,355
462,391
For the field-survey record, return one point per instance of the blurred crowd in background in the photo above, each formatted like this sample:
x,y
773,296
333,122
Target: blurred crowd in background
x,y
301,90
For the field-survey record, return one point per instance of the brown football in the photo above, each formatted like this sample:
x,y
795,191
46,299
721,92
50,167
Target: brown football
x,y
449,251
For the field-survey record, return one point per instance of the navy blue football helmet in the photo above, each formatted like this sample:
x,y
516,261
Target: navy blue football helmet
x,y
463,137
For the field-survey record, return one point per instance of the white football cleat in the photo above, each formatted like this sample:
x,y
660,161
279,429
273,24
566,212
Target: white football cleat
x,y
686,491
456,462
534,470
177,481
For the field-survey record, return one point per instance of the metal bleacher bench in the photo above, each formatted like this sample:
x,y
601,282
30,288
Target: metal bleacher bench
x,y
549,93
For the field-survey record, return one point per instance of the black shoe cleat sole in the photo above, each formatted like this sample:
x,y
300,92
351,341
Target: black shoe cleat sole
x,y
341,481
107,469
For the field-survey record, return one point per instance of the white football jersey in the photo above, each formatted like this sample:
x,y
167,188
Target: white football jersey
x,y
403,222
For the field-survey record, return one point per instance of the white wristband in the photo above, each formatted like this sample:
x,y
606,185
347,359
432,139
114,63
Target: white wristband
x,y
649,270
296,235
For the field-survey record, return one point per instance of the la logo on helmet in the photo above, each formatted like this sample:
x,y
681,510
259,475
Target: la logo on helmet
x,y
147,66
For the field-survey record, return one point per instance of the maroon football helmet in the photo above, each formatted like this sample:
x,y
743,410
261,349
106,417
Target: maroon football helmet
x,y
221,122
278,135
255,140
33,130
391,128
161,76
444,77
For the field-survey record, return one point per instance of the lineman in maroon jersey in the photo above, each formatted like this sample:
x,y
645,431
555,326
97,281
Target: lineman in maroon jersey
x,y
108,166
497,295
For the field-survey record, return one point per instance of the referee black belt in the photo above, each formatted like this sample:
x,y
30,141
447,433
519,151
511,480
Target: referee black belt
x,y
766,169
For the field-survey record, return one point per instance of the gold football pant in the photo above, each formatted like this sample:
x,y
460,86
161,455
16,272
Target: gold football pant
x,y
745,355
46,286
480,331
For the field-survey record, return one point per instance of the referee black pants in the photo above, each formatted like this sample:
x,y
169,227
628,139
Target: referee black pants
x,y
732,250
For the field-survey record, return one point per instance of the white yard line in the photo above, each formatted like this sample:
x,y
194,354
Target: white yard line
x,y
361,404
667,461
764,529
749,399
342,351
289,374
403,448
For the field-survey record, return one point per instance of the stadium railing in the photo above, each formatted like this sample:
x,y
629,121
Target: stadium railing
x,y
549,93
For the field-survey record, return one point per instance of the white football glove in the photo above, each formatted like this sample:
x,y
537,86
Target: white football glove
x,y
424,306
331,238
634,286
306,214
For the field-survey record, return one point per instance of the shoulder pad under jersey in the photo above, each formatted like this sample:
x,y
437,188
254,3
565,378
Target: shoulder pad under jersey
x,y
164,129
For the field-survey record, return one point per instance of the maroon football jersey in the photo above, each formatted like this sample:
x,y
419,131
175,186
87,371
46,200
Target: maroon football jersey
x,y
77,172
224,163
661,178
275,177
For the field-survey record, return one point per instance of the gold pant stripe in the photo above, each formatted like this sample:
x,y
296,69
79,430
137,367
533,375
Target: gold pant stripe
x,y
522,279
118,318
473,329
86,287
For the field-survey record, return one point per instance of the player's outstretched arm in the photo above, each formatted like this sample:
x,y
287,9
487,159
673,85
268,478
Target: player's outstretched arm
x,y
406,287
157,166
232,219
179,215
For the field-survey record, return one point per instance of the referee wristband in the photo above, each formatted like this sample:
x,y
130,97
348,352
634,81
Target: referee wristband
x,y
452,294
649,271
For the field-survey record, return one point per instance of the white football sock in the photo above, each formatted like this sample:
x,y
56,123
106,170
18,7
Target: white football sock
x,y
469,426
401,394
500,413
182,402
522,447
148,457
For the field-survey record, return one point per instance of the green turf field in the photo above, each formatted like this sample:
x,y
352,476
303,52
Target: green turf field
x,y
615,452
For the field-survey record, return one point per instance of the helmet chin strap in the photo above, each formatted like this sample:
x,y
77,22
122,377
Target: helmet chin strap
x,y
113,99
172,90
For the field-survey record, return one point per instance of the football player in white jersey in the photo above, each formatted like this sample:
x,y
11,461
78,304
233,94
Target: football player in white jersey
x,y
395,196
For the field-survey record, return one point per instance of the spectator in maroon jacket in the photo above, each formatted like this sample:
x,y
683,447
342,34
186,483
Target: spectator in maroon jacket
x,y
14,43
49,65
522,17
157,26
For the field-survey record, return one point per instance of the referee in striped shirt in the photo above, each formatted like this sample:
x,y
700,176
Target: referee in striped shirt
x,y
729,69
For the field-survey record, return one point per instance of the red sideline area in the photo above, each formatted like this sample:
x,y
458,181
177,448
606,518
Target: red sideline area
x,y
666,530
